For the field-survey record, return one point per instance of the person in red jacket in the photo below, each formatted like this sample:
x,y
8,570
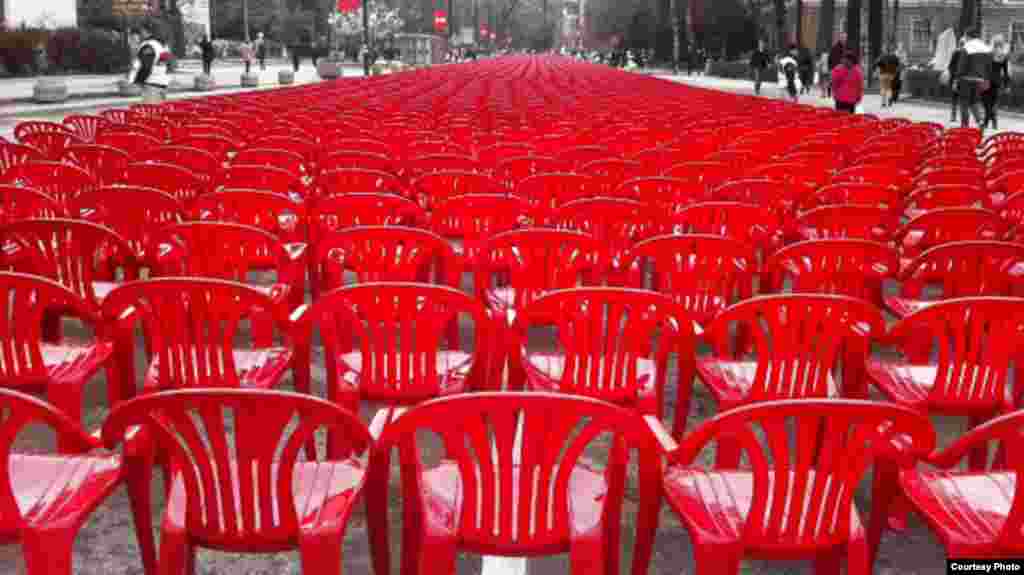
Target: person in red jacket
x,y
848,83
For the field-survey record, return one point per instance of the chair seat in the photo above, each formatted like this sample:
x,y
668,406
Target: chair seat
x,y
911,385
544,372
262,368
730,382
714,504
966,510
323,492
443,496
901,307
55,489
453,369
74,362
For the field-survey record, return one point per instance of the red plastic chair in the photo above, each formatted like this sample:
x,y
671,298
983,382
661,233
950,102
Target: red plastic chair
x,y
49,497
220,147
247,490
51,144
199,162
132,142
431,163
874,174
545,193
359,181
390,342
974,513
276,214
612,172
62,182
469,221
233,252
847,221
30,128
703,273
943,225
749,223
862,194
853,267
608,348
798,339
666,194
491,156
14,154
436,187
57,366
26,203
261,178
944,196
107,165
350,144
384,253
579,156
617,223
285,160
709,174
511,171
518,494
184,185
116,115
796,499
84,126
191,327
358,160
348,210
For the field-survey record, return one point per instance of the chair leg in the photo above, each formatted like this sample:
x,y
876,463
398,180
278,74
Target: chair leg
x,y
588,557
48,552
859,557
977,458
828,562
717,559
139,480
321,553
68,398
377,514
177,555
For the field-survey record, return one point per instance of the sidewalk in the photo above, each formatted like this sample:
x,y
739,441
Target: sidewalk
x,y
917,110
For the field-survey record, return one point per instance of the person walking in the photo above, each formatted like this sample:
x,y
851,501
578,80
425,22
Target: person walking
x,y
805,67
788,70
998,80
824,76
848,83
952,77
759,65
246,53
152,74
261,51
974,68
897,85
206,49
888,68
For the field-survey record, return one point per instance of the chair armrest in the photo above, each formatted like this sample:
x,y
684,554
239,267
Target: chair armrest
x,y
664,438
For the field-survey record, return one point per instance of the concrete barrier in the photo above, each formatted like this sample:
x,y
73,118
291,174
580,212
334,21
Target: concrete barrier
x,y
50,90
204,83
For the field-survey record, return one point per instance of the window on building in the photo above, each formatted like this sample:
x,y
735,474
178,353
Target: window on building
x,y
1017,35
921,34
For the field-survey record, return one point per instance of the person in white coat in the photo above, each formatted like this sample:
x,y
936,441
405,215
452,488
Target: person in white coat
x,y
153,58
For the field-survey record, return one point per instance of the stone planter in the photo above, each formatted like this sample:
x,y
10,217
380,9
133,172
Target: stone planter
x,y
328,70
204,83
50,90
285,77
250,80
127,88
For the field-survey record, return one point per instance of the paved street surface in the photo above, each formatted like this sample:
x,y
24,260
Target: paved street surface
x,y
917,110
107,544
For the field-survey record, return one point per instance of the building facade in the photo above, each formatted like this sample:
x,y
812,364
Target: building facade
x,y
39,13
919,23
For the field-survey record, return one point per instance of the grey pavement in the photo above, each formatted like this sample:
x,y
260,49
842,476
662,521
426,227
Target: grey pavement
x,y
916,110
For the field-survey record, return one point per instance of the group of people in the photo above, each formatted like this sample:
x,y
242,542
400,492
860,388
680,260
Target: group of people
x,y
840,74
978,74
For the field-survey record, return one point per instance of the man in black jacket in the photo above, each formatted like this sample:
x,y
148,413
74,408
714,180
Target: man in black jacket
x,y
759,65
973,70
